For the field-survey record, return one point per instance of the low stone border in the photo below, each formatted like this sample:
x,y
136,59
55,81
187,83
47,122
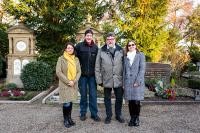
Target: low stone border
x,y
170,102
50,94
30,101
54,99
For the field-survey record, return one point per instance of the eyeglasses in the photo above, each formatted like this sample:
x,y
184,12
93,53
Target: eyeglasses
x,y
70,48
110,39
131,45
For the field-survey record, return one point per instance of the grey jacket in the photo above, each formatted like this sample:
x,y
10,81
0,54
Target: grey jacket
x,y
108,69
134,74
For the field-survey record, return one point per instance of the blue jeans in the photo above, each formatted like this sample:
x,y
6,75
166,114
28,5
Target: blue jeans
x,y
88,83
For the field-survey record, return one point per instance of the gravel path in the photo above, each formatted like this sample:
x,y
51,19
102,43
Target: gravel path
x,y
40,118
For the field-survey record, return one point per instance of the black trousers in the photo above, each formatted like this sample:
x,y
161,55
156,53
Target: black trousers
x,y
134,107
118,103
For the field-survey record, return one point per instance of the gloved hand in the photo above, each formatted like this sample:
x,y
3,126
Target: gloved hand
x,y
101,84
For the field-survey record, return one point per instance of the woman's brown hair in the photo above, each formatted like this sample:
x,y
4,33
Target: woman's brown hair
x,y
126,48
70,43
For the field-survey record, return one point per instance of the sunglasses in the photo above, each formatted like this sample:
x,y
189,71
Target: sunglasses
x,y
131,45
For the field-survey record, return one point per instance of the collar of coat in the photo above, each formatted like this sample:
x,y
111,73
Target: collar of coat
x,y
90,45
117,48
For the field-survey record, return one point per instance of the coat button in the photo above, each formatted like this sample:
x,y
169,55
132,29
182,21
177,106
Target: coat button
x,y
131,75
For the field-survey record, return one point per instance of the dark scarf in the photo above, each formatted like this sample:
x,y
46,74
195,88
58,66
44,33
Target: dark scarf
x,y
112,51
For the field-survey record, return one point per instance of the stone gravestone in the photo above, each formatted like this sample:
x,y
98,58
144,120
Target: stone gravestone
x,y
197,94
21,51
198,66
158,71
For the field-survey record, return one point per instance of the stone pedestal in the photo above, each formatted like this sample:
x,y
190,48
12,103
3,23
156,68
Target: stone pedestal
x,y
197,95
198,66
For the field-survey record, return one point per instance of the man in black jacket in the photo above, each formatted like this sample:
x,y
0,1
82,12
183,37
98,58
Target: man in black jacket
x,y
87,52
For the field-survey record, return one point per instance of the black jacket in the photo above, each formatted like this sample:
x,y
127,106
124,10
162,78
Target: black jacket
x,y
87,57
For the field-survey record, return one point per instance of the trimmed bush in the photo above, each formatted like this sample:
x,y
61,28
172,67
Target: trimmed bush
x,y
26,97
150,84
11,86
194,52
191,67
1,65
36,76
194,83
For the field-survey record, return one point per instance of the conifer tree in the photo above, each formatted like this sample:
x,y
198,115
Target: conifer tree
x,y
143,21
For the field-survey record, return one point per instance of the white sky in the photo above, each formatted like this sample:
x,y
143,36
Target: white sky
x,y
195,2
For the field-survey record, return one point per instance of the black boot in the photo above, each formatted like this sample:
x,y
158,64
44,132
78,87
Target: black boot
x,y
70,118
132,112
137,109
137,121
66,111
132,121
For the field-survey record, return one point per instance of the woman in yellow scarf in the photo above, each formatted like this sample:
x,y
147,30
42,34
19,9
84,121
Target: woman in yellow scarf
x,y
68,71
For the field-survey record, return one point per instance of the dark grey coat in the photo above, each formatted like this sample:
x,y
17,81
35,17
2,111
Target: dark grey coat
x,y
109,70
134,74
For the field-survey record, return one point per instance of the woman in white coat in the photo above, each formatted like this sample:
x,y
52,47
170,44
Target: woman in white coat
x,y
134,70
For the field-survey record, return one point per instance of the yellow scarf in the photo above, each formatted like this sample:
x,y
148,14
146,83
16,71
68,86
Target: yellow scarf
x,y
71,66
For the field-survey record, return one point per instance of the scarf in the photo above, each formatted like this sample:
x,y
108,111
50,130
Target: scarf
x,y
131,56
71,66
91,44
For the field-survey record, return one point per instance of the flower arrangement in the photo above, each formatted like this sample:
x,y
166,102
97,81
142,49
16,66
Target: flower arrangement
x,y
11,90
169,93
165,91
15,92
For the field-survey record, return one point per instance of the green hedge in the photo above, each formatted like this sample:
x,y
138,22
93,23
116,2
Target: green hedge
x,y
26,97
37,76
1,65
11,86
194,83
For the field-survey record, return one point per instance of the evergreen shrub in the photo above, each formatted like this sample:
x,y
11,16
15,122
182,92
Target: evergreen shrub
x,y
36,76
1,65
194,83
11,86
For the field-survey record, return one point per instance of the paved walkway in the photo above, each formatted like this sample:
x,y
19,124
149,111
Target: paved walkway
x,y
42,118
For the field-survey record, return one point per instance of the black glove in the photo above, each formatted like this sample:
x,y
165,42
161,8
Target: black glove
x,y
101,84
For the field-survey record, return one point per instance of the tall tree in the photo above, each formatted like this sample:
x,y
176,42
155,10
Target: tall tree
x,y
54,22
3,40
193,35
95,8
143,21
177,20
178,12
174,53
3,49
193,28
